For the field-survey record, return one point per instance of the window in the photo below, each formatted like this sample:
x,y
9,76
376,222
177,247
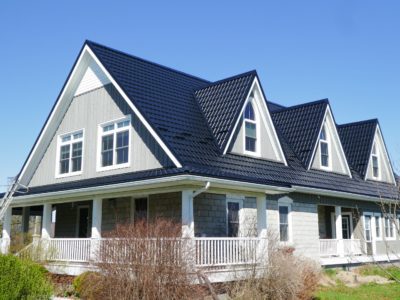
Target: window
x,y
367,227
250,126
378,227
375,162
324,147
140,213
70,153
389,227
115,140
284,223
233,218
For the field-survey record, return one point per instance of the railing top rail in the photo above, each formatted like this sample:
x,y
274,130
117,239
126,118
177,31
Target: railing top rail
x,y
69,239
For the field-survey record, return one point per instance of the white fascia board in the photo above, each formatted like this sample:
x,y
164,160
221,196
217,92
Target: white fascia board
x,y
170,181
337,194
345,163
135,110
256,83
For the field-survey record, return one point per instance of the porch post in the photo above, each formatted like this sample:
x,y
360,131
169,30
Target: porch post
x,y
97,211
6,233
339,232
25,219
187,214
262,216
96,218
46,221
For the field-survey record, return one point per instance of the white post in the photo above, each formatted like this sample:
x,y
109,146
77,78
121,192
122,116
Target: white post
x,y
46,221
339,230
262,229
25,219
187,214
97,211
6,233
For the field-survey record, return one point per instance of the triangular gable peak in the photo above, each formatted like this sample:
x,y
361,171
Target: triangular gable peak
x,y
87,72
328,154
379,165
254,133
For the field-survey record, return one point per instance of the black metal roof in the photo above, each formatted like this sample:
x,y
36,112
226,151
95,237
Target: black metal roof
x,y
194,118
357,139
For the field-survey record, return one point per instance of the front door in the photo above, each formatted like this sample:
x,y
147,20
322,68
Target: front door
x,y
233,219
83,221
346,227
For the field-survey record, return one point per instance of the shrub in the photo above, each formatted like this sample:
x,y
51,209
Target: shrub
x,y
88,285
22,279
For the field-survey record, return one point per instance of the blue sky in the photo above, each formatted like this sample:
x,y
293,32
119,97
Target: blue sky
x,y
347,51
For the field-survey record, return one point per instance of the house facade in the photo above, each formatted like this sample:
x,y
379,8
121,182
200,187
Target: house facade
x,y
130,140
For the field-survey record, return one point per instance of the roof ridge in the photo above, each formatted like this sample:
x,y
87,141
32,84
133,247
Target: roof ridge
x,y
375,120
322,101
89,42
252,72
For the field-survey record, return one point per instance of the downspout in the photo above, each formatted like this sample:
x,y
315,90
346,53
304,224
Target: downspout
x,y
202,190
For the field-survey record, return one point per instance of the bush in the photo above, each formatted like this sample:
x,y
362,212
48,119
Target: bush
x,y
22,279
88,285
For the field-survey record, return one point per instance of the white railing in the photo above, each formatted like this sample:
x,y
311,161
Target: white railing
x,y
74,250
227,251
333,247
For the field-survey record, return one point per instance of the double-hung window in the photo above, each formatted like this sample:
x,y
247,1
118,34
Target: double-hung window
x,y
250,129
324,147
70,152
367,227
375,162
389,227
115,144
284,229
378,230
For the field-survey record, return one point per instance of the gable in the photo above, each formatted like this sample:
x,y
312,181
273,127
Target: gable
x,y
336,160
385,167
85,59
93,78
267,142
104,104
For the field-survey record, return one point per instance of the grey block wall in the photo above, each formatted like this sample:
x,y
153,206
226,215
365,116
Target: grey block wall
x,y
210,215
115,211
168,205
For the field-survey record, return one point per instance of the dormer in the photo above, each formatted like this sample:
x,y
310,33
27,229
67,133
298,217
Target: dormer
x,y
329,154
379,165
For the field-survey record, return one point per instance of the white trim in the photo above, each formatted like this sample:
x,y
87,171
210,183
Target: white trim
x,y
60,143
342,157
100,134
278,152
136,111
87,51
351,225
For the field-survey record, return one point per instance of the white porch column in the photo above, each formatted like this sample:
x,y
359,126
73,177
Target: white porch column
x,y
339,230
25,219
187,214
262,216
6,233
46,221
96,218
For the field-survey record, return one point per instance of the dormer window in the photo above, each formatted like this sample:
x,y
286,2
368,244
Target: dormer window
x,y
250,125
324,146
70,149
375,162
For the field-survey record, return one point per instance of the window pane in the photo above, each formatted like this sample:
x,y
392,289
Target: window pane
x,y
377,227
375,166
122,139
123,124
66,138
249,112
64,166
250,144
108,128
77,149
283,232
107,158
122,155
283,214
76,164
78,135
367,226
107,142
64,152
324,148
233,219
283,223
322,136
122,147
251,130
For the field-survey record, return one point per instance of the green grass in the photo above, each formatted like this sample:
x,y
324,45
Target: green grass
x,y
366,291
330,272
391,272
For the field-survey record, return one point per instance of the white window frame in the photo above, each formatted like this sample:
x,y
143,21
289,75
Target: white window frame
x,y
256,122
60,143
375,155
391,223
240,202
100,135
288,204
328,142
380,237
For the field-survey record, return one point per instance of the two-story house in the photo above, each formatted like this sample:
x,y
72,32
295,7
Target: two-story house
x,y
129,139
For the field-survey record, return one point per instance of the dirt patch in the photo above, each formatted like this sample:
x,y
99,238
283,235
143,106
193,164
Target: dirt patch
x,y
352,279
